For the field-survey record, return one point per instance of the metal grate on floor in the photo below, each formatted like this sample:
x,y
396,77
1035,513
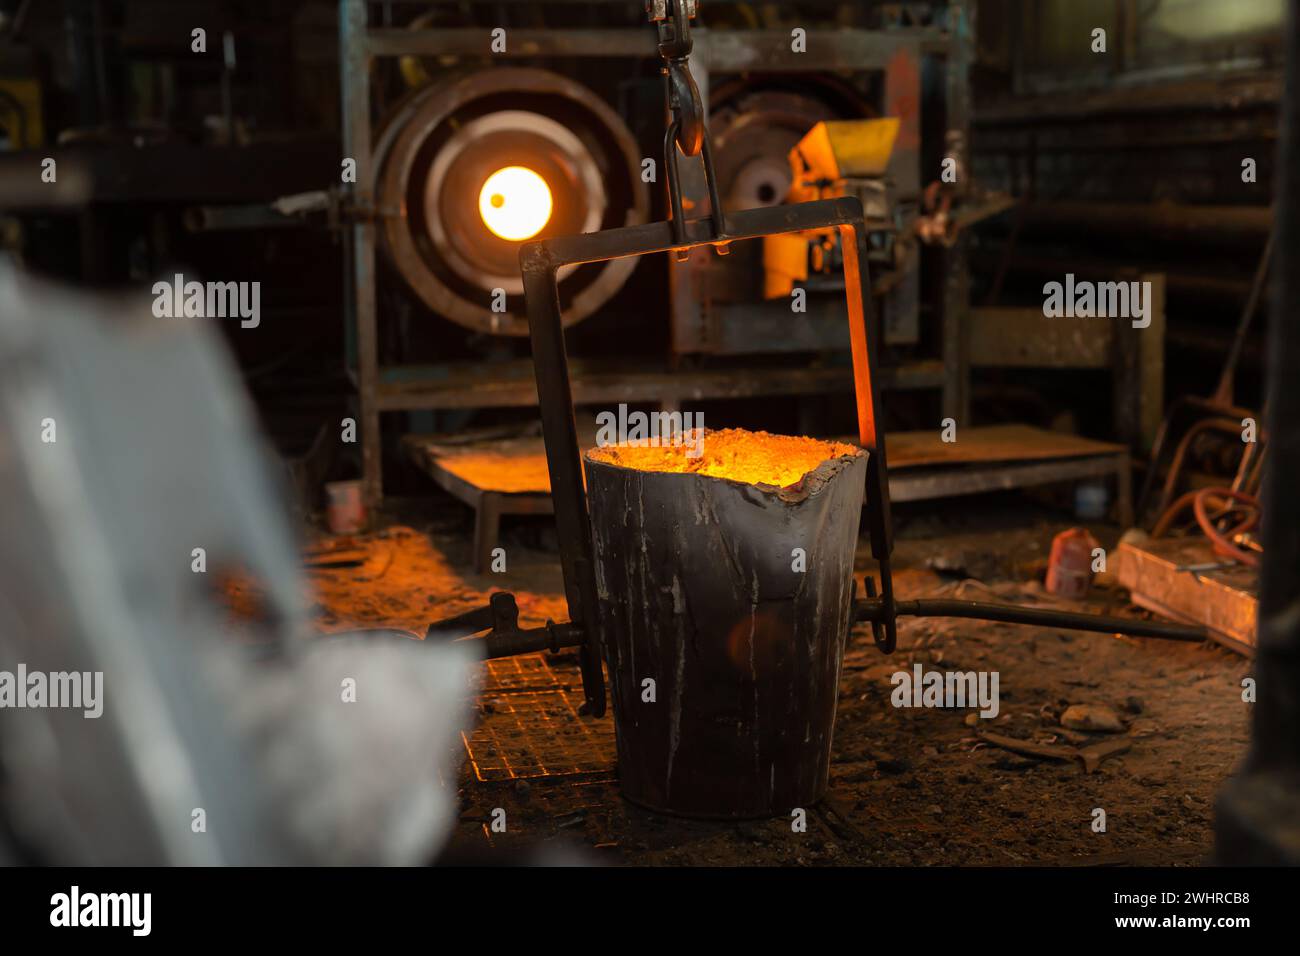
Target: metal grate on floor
x,y
530,725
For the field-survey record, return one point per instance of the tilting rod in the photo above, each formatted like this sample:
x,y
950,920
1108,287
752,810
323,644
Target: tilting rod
x,y
874,609
504,637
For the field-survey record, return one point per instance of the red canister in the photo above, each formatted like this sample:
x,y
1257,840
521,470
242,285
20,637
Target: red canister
x,y
345,509
1069,570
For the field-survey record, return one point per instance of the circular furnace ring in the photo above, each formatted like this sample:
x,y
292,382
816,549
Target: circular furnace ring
x,y
453,264
442,221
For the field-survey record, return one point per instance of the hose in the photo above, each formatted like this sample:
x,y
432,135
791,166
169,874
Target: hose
x,y
1222,540
1201,502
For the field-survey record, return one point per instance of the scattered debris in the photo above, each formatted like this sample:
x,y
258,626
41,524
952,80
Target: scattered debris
x,y
838,820
1073,736
1094,754
1090,756
1029,747
576,818
880,767
892,765
1093,717
950,565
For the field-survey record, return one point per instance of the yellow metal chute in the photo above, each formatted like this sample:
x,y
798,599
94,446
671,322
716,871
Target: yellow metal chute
x,y
833,153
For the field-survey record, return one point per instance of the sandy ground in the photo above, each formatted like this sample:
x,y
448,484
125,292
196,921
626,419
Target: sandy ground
x,y
907,786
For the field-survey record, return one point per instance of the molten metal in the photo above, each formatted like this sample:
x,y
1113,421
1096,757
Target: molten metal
x,y
755,458
515,203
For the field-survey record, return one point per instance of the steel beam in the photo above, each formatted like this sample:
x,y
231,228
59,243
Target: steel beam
x,y
355,86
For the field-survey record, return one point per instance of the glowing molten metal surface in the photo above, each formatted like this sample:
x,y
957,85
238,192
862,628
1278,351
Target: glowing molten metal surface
x,y
515,203
756,458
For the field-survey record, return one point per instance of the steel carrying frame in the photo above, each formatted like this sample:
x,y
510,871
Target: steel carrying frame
x,y
542,260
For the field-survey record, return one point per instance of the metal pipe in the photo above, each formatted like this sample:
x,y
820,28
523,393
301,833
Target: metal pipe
x,y
871,610
560,434
1224,393
551,638
1225,426
1163,437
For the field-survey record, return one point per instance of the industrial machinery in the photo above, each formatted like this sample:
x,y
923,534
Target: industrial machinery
x,y
836,158
563,118
472,166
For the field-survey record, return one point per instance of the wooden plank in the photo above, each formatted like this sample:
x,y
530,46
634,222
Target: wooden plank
x,y
1222,599
988,444
510,467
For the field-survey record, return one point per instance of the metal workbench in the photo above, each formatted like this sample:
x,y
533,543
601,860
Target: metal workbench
x,y
508,476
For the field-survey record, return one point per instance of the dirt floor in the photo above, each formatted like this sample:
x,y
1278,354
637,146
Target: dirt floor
x,y
907,786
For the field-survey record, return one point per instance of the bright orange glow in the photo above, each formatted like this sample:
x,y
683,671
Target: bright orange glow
x,y
515,203
756,458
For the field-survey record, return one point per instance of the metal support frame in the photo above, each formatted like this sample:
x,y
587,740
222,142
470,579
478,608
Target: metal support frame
x,y
898,59
383,389
929,484
541,262
956,282
361,309
1017,337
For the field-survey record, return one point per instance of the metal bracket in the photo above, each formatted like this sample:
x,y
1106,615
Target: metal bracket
x,y
686,128
500,618
883,631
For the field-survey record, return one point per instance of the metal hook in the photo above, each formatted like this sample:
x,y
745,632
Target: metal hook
x,y
684,101
686,128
